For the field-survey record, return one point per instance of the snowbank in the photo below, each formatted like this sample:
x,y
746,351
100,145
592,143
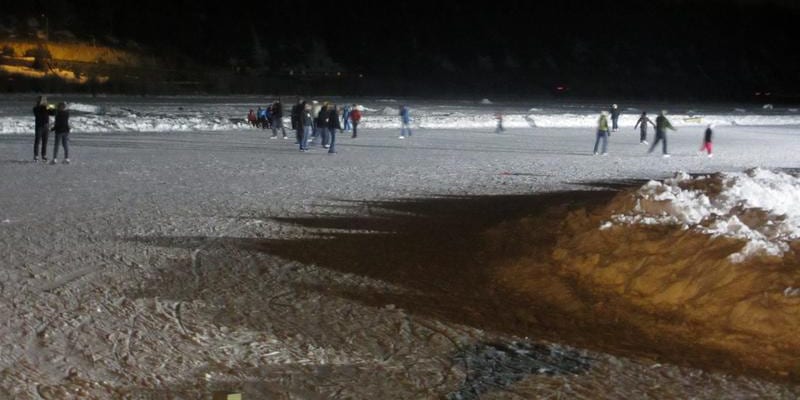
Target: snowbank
x,y
758,206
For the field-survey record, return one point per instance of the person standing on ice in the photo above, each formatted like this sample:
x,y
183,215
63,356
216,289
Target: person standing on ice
x,y
707,140
261,117
251,118
297,109
277,120
61,128
405,122
662,124
306,124
602,133
614,117
41,113
322,125
643,121
499,118
333,126
346,110
315,109
355,116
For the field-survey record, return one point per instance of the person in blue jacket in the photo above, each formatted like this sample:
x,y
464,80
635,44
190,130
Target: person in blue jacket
x,y
405,121
346,116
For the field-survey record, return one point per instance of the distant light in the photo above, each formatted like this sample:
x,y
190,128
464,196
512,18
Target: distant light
x,y
767,94
758,93
360,75
338,74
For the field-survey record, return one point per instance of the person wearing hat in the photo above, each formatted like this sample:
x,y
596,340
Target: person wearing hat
x,y
41,113
662,124
614,117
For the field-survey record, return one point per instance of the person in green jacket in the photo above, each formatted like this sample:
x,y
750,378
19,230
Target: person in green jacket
x,y
662,124
602,133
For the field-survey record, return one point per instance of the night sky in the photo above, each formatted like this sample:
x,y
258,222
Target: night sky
x,y
649,49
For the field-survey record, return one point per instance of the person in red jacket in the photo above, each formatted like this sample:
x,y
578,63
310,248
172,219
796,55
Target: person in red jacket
x,y
251,118
355,116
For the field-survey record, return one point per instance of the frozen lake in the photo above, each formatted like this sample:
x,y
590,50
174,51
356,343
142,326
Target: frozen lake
x,y
188,258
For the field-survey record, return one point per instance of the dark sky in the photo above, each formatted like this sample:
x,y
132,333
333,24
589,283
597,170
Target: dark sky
x,y
636,47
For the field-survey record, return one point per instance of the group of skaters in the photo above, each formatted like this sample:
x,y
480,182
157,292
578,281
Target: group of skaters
x,y
42,112
312,120
661,126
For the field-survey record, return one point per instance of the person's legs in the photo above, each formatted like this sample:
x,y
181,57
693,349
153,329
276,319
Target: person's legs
x,y
333,140
642,136
665,144
605,142
45,134
36,142
355,128
55,145
597,142
655,143
65,143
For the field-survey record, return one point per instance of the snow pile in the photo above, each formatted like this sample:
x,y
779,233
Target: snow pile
x,y
758,206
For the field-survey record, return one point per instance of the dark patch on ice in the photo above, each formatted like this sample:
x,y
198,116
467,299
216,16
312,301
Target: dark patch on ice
x,y
492,366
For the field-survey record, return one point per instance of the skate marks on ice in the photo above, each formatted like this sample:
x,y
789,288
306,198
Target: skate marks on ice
x,y
436,264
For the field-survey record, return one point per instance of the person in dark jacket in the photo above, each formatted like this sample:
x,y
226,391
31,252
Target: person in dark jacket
x,y
346,116
405,122
61,128
333,126
707,140
614,118
306,124
355,116
322,124
662,124
297,109
41,113
277,120
642,125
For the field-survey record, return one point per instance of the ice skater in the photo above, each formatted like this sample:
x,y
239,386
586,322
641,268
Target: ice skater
x,y
306,124
41,113
662,124
61,128
333,126
277,120
602,133
614,117
499,118
355,116
252,118
707,140
346,110
405,122
297,110
642,125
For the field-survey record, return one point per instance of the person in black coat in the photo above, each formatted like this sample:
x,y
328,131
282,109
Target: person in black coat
x,y
41,114
333,126
277,119
61,128
297,109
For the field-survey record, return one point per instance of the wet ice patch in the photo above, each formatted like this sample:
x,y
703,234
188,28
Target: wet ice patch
x,y
758,206
498,365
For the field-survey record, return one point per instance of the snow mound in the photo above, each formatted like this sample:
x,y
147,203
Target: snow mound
x,y
758,206
486,101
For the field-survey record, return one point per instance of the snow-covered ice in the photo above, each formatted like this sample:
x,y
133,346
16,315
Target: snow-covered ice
x,y
139,269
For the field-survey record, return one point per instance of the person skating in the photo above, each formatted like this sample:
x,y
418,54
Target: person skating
x,y
306,123
333,126
499,118
346,110
614,117
297,110
662,124
277,120
642,125
707,140
602,133
61,128
355,116
322,125
261,116
252,118
41,113
405,122
315,109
